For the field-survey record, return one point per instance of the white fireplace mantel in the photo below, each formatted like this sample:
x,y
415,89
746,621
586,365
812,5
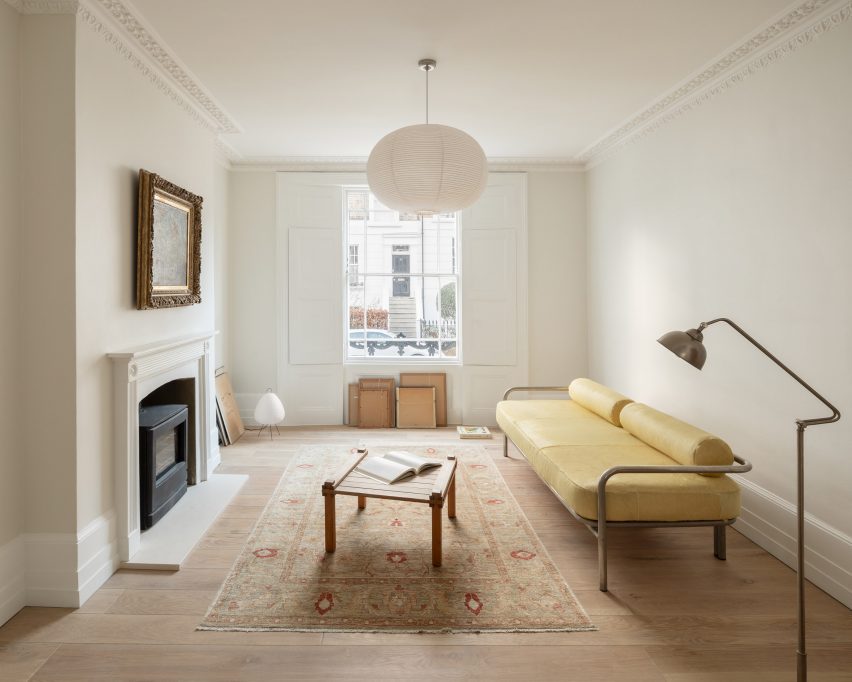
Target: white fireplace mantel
x,y
137,372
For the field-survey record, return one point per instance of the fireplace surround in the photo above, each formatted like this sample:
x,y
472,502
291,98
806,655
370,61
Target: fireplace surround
x,y
138,372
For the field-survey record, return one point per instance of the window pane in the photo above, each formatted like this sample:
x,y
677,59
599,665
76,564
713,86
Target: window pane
x,y
397,266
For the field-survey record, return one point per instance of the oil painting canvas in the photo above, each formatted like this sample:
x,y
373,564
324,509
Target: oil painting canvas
x,y
171,227
168,265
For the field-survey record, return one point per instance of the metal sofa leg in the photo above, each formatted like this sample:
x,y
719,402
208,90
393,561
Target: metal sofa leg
x,y
505,445
719,542
601,534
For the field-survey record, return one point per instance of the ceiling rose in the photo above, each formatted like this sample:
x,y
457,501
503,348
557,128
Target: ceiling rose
x,y
427,168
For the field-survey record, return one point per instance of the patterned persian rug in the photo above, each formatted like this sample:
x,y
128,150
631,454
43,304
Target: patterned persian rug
x,y
496,575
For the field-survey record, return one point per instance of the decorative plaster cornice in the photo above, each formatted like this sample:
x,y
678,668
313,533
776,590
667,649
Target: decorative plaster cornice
x,y
795,28
546,164
120,25
302,164
124,16
358,164
44,6
225,154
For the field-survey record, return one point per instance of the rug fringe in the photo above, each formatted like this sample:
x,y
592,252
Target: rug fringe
x,y
400,631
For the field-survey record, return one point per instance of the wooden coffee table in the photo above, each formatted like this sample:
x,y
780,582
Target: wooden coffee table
x,y
432,487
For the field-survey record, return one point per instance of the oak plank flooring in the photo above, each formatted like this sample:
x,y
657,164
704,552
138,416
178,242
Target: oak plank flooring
x,y
20,661
673,612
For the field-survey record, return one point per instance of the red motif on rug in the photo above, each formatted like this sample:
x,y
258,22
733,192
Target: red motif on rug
x,y
495,502
306,466
265,553
522,554
477,466
324,603
294,501
472,603
431,451
396,557
396,522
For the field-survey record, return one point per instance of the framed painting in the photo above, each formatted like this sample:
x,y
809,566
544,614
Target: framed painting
x,y
168,267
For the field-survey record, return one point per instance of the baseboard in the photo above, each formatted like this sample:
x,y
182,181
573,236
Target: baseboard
x,y
65,569
13,587
215,455
97,555
770,521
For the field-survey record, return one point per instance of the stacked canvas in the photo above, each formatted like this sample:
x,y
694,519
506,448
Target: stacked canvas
x,y
228,419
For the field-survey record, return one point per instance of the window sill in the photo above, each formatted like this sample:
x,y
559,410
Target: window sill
x,y
409,362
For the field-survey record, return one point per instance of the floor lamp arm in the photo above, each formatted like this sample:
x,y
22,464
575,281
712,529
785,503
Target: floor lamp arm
x,y
835,413
801,425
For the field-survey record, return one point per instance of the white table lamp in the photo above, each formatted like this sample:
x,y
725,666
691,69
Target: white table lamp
x,y
269,412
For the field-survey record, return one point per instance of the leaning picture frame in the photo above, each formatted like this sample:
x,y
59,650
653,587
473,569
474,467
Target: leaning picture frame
x,y
168,260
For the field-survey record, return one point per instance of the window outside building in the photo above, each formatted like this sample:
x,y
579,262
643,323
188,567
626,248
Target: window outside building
x,y
402,282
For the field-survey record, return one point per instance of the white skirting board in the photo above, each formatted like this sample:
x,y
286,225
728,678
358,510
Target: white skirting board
x,y
13,586
167,544
65,569
770,521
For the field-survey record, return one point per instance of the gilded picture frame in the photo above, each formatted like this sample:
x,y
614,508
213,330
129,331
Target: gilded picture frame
x,y
168,262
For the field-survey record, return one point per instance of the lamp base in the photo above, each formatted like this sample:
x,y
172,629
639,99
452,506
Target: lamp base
x,y
268,426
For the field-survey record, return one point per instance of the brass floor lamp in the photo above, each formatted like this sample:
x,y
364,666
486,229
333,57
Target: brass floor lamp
x,y
689,346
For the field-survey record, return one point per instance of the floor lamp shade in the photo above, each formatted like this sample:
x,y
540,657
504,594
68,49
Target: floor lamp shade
x,y
427,169
269,409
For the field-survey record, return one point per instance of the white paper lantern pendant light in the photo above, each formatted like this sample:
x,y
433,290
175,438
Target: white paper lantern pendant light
x,y
269,412
427,168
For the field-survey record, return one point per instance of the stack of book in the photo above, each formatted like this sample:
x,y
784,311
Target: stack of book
x,y
473,432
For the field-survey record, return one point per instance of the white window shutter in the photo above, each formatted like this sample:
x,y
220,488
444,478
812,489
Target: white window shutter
x,y
493,234
313,215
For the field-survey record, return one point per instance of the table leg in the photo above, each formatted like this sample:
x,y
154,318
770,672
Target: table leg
x,y
330,524
362,501
451,499
436,535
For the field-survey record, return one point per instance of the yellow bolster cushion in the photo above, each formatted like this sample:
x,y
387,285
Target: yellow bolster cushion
x,y
599,399
682,442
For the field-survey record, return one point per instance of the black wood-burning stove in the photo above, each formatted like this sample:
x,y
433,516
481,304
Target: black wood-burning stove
x,y
162,459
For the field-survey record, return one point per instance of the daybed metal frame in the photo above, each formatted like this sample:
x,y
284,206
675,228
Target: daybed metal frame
x,y
599,529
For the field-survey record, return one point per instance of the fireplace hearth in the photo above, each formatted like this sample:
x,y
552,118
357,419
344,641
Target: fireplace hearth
x,y
162,460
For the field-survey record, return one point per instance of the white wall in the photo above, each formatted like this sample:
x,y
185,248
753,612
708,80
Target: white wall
x,y
221,281
47,360
556,299
741,208
11,462
123,124
253,314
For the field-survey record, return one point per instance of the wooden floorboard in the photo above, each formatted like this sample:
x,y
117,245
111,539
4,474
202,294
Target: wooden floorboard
x,y
673,612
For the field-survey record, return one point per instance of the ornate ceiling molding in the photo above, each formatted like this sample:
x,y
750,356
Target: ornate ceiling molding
x,y
124,17
545,164
796,28
357,164
119,23
44,6
102,26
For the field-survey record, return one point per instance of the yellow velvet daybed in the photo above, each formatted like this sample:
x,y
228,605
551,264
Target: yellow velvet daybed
x,y
609,458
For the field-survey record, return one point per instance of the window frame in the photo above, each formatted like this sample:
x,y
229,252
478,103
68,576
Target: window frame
x,y
404,227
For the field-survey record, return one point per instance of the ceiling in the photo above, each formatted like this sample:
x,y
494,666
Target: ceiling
x,y
531,78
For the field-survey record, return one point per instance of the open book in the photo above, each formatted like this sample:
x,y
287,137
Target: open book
x,y
395,466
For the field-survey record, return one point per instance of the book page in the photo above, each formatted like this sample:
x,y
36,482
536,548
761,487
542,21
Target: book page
x,y
410,460
384,470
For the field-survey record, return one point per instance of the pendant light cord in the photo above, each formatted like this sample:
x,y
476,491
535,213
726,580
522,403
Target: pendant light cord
x,y
427,95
